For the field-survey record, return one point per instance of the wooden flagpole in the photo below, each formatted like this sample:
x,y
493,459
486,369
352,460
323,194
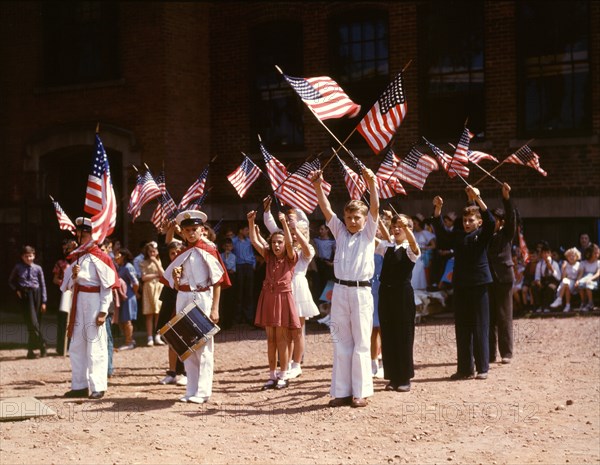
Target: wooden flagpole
x,y
502,162
481,168
450,165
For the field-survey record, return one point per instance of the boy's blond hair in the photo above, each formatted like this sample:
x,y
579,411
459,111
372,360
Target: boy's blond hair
x,y
409,221
356,205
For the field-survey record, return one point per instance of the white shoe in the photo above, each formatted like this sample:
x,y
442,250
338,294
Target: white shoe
x,y
197,400
127,347
294,372
150,342
167,380
557,303
181,380
183,399
158,340
379,373
567,308
326,320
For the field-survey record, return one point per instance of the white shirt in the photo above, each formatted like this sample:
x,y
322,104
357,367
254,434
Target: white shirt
x,y
354,253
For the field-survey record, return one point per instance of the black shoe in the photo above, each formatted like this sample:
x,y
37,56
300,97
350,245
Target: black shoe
x,y
391,387
31,355
460,376
76,393
97,395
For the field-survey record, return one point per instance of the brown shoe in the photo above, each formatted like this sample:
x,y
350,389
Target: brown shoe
x,y
340,401
359,402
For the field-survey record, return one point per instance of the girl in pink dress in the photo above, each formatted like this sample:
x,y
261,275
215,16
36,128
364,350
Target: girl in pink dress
x,y
276,311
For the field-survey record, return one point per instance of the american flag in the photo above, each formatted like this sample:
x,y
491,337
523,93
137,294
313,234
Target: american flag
x,y
166,208
64,222
324,96
381,122
197,204
300,193
354,183
475,156
277,174
527,157
387,180
195,190
415,167
145,190
452,167
462,148
100,199
244,176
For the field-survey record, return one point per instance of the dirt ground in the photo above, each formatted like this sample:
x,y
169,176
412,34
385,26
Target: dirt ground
x,y
542,408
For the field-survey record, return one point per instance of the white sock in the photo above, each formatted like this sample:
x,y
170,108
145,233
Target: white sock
x,y
273,374
295,365
283,375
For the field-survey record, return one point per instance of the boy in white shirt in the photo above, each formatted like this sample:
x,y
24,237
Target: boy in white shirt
x,y
352,301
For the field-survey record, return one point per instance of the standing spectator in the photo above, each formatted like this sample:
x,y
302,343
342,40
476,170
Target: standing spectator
x,y
228,295
584,242
470,281
547,277
587,281
58,274
245,265
128,309
442,253
116,302
27,280
519,301
501,266
426,241
324,253
152,271
528,279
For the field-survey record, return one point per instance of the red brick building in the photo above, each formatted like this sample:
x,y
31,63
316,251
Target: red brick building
x,y
175,84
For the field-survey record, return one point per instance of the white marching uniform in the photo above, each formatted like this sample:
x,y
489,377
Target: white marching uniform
x,y
352,310
201,270
88,348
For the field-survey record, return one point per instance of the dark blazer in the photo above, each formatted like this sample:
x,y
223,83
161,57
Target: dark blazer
x,y
500,250
471,266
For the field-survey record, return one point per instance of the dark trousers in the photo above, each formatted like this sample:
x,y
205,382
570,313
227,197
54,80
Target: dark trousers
x,y
227,304
61,330
245,305
544,295
31,306
472,326
397,335
501,320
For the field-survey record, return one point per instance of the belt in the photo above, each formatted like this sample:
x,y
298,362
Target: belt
x,y
353,283
90,289
187,288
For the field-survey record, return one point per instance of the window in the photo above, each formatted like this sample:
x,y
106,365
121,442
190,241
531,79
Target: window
x,y
277,109
452,75
554,61
81,42
360,55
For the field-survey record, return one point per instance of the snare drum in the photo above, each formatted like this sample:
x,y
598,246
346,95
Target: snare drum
x,y
188,331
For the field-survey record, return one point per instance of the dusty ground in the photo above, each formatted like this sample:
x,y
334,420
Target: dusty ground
x,y
542,408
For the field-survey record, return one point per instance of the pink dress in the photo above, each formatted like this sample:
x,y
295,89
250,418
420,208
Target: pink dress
x,y
276,305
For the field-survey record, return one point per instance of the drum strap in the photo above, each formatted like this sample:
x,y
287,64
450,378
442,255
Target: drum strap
x,y
187,288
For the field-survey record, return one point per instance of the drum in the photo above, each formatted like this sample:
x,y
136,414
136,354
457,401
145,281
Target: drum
x,y
188,331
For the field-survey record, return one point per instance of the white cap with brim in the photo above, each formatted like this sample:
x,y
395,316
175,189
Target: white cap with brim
x,y
83,223
191,217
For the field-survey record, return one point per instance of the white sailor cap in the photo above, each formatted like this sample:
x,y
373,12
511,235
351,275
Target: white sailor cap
x,y
191,217
83,223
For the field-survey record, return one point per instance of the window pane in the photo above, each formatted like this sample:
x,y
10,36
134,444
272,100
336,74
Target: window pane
x,y
452,45
553,44
278,110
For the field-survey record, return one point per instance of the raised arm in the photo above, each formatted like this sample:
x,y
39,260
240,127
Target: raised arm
x,y
316,178
474,196
268,216
385,233
302,240
287,235
251,215
410,237
374,195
